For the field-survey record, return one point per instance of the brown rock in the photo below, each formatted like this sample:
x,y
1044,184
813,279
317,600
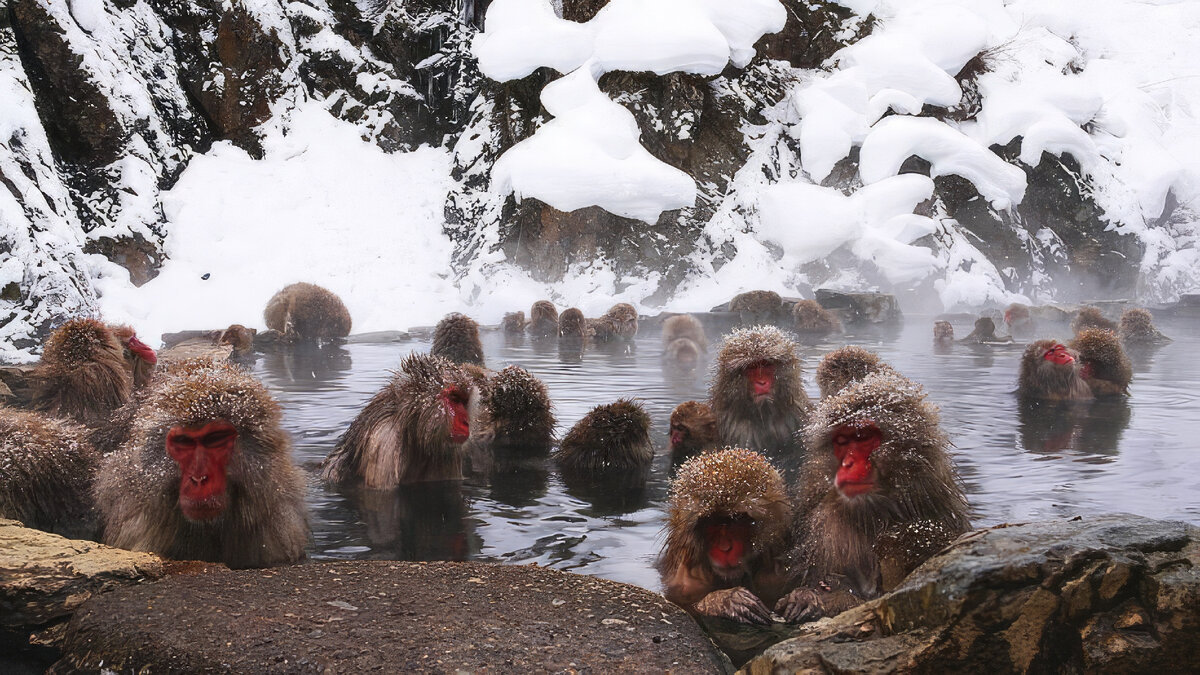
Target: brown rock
x,y
389,616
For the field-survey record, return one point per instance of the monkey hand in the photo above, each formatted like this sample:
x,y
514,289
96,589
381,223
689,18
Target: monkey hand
x,y
738,604
801,605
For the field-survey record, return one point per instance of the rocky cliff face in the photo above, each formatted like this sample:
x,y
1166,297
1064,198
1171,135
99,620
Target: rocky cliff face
x,y
106,101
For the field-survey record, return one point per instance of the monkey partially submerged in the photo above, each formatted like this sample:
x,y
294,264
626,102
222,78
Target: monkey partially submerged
x,y
1051,371
878,495
727,537
206,474
46,472
693,430
543,319
1137,328
619,322
83,375
307,312
412,430
811,318
1103,363
457,338
846,365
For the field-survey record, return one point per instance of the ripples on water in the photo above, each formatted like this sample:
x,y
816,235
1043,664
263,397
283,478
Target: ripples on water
x,y
1018,463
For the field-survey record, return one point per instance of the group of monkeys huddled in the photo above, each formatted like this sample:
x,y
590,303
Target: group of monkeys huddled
x,y
779,505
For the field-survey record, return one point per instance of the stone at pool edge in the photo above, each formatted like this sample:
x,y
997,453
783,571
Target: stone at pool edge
x,y
355,616
1110,593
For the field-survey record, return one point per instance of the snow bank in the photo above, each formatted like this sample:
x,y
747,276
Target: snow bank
x,y
589,155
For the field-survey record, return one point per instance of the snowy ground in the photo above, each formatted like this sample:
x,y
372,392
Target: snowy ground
x,y
1114,82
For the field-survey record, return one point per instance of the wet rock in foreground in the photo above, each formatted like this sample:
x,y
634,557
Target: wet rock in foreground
x,y
387,616
1114,593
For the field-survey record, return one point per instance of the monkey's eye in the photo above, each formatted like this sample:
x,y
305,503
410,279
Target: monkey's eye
x,y
183,442
841,439
218,438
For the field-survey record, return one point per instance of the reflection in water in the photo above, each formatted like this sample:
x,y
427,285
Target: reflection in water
x,y
610,493
1133,455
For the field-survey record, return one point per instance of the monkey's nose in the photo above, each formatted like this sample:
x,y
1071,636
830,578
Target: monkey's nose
x,y
198,480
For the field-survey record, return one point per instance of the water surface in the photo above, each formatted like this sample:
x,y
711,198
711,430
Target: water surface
x,y
1135,455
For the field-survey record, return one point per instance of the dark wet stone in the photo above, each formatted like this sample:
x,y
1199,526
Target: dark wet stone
x,y
391,616
1113,593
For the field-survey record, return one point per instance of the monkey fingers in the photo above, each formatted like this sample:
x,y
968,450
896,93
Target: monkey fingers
x,y
800,606
738,604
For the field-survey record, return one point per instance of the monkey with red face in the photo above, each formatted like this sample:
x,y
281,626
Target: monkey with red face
x,y
206,474
1051,371
140,359
727,537
878,496
412,430
756,394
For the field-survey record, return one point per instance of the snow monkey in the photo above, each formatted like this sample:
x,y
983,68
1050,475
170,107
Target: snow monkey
x,y
457,339
48,467
1137,327
139,357
620,321
1103,363
513,323
83,375
206,474
543,319
412,430
727,537
683,340
307,312
1092,317
755,307
516,412
1051,371
615,436
841,367
813,319
878,495
693,430
571,324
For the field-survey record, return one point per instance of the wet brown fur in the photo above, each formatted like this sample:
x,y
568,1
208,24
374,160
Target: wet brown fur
x,y
700,427
1042,379
813,319
620,321
867,544
724,484
514,322
83,375
572,324
943,331
615,436
1019,319
46,472
403,434
1092,317
457,339
757,306
846,365
684,326
137,488
308,312
516,412
769,425
139,368
237,336
543,319
1137,327
1105,367
985,331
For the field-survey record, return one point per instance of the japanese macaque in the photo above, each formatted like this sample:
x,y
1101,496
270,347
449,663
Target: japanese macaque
x,y
239,337
756,394
139,357
693,430
1051,371
985,331
755,307
1137,328
943,332
615,436
620,321
1103,363
46,479
457,339
207,474
83,375
1019,320
307,312
1092,317
543,319
841,367
683,340
878,496
516,412
727,536
513,323
412,430
813,319
571,324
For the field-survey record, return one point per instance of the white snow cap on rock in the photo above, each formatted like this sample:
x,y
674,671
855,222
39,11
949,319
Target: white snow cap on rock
x,y
659,36
589,155
876,223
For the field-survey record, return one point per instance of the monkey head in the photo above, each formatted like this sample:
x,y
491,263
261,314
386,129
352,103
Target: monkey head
x,y
943,331
81,341
623,318
1101,357
572,324
1051,370
683,351
444,396
873,440
727,509
1091,317
514,322
811,317
518,409
755,367
214,427
845,365
693,428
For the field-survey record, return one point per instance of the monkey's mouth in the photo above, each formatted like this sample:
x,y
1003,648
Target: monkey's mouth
x,y
856,488
725,571
203,510
760,399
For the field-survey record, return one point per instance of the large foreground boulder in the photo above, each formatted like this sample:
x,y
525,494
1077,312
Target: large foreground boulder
x,y
387,616
1113,593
